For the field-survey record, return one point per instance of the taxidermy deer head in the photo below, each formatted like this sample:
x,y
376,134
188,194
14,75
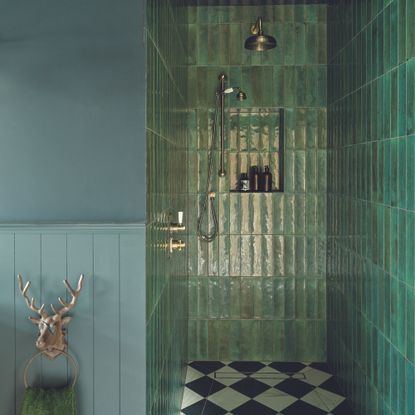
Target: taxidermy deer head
x,y
52,329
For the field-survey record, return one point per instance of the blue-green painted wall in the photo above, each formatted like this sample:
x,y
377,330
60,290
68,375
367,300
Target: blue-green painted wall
x,y
72,111
72,149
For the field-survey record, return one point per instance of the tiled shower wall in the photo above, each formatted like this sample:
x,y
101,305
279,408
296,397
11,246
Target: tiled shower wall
x,y
258,291
371,206
166,194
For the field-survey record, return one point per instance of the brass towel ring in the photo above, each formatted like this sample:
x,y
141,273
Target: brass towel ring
x,y
70,358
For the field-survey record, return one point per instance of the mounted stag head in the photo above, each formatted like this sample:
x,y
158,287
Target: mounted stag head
x,y
51,338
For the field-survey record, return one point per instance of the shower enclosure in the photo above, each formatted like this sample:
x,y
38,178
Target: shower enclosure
x,y
320,270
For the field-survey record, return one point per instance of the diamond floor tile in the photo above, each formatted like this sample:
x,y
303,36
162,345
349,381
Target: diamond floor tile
x,y
315,376
250,387
247,367
301,407
252,407
275,399
262,388
206,367
295,387
287,367
228,398
205,386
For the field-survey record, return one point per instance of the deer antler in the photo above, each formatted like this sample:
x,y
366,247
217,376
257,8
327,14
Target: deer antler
x,y
74,293
31,303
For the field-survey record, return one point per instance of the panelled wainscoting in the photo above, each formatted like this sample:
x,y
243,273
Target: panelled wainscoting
x,y
107,332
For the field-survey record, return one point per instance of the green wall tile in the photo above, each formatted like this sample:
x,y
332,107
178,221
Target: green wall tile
x,y
167,138
263,238
370,202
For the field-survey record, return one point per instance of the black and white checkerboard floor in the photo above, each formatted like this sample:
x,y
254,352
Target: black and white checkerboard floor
x,y
262,388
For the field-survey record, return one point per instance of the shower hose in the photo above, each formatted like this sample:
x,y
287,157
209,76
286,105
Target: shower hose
x,y
209,196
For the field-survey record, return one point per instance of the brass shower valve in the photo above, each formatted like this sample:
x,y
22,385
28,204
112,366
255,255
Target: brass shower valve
x,y
176,245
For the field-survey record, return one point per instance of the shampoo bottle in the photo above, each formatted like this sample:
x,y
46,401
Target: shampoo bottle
x,y
267,180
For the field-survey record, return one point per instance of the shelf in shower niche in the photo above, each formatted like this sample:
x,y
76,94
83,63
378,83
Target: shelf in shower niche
x,y
258,191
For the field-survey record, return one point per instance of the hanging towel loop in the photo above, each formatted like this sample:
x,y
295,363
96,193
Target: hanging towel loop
x,y
70,358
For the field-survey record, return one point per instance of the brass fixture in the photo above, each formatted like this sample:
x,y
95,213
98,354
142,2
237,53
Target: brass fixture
x,y
52,329
241,96
259,41
176,244
178,226
70,358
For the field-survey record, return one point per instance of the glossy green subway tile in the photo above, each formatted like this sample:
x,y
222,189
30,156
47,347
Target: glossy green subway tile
x,y
198,297
219,297
402,185
311,256
410,30
410,379
311,214
300,251
235,252
198,337
301,295
409,329
402,245
410,249
401,28
235,298
247,297
250,339
213,257
166,119
410,96
267,256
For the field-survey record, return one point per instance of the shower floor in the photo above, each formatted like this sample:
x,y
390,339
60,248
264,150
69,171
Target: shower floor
x,y
262,388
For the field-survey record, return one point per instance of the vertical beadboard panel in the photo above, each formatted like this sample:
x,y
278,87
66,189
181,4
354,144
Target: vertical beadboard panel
x,y
27,263
7,325
107,333
106,324
132,323
53,269
81,334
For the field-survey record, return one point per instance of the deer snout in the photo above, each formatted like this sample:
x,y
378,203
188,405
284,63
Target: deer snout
x,y
40,343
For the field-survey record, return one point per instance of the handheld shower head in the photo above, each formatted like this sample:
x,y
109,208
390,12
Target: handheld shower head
x,y
240,95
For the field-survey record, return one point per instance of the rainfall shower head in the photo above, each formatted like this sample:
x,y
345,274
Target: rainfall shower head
x,y
259,41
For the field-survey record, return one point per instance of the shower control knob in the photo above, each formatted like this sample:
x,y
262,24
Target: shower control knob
x,y
179,225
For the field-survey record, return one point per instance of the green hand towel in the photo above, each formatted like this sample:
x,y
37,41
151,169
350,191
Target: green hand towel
x,y
49,402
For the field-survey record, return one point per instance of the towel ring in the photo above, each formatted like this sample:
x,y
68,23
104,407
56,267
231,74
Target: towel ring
x,y
70,358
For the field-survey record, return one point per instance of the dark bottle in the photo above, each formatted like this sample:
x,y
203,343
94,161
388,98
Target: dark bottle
x,y
267,180
244,183
254,178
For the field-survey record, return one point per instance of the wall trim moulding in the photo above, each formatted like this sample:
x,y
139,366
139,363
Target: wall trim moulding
x,y
71,227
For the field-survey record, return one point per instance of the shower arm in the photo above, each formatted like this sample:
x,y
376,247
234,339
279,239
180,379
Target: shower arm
x,y
256,28
222,172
